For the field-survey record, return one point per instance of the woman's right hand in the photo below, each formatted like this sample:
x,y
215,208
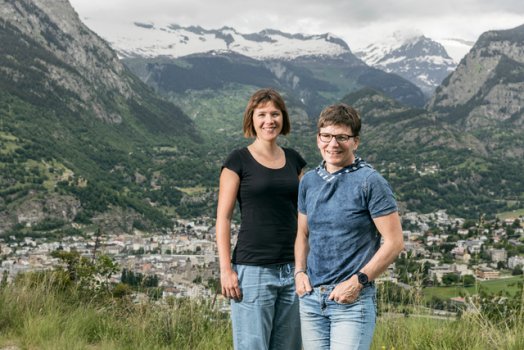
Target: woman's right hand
x,y
302,285
229,282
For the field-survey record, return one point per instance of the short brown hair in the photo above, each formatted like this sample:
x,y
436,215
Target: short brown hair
x,y
340,114
261,97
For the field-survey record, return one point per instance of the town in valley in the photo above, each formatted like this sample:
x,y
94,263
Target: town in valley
x,y
184,261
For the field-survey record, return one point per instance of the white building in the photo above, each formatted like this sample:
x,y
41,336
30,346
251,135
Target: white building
x,y
515,261
498,255
439,271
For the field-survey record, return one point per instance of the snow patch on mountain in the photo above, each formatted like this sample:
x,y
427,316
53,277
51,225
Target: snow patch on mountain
x,y
413,56
140,39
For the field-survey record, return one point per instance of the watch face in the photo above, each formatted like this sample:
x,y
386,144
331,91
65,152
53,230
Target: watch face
x,y
362,278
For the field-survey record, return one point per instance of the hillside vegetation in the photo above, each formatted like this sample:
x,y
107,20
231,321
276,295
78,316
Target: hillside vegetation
x,y
77,308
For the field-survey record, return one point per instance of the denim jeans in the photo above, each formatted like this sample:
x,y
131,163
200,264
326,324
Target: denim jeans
x,y
267,317
328,325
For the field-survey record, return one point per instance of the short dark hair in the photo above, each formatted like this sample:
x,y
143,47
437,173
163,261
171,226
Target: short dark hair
x,y
340,114
261,97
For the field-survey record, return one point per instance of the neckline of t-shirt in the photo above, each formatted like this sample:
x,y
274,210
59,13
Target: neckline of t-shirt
x,y
262,165
327,176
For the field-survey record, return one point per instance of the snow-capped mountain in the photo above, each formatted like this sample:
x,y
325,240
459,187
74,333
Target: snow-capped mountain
x,y
285,56
152,40
418,59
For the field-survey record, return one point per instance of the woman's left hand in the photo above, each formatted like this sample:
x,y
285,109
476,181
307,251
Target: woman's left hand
x,y
346,292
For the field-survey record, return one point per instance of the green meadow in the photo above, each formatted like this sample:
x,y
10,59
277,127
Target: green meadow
x,y
49,311
509,284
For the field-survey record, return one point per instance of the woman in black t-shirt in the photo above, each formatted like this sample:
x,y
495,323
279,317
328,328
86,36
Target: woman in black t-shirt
x,y
259,278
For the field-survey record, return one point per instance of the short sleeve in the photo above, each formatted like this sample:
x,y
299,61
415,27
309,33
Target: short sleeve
x,y
379,195
298,162
233,162
301,202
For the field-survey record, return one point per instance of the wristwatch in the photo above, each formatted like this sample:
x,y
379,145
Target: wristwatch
x,y
362,278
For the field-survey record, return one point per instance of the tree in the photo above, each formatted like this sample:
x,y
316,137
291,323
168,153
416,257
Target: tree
x,y
87,274
437,303
468,280
121,290
517,270
502,308
450,278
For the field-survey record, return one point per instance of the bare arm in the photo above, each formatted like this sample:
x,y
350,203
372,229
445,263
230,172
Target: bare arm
x,y
302,284
227,193
391,230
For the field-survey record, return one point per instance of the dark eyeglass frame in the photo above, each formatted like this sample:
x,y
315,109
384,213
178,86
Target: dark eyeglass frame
x,y
340,138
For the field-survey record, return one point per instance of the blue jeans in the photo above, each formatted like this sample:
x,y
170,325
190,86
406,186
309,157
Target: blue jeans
x,y
328,325
267,317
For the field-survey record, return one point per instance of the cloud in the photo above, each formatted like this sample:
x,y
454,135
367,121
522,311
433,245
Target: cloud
x,y
357,22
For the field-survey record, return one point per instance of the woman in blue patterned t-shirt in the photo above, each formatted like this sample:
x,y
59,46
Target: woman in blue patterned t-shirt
x,y
345,208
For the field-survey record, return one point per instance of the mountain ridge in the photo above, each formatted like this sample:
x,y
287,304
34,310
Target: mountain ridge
x,y
172,40
418,59
485,93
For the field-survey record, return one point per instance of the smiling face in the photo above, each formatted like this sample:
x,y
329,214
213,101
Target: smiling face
x,y
337,155
267,121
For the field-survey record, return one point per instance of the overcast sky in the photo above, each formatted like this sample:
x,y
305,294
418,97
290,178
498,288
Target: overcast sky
x,y
359,23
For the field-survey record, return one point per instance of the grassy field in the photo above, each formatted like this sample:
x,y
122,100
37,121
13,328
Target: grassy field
x,y
494,286
514,214
48,313
472,332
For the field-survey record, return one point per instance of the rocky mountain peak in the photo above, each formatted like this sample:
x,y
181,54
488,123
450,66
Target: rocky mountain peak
x,y
486,91
477,73
416,58
422,46
515,36
85,58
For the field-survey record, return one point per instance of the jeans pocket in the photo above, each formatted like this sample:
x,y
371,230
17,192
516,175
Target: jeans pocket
x,y
305,295
347,303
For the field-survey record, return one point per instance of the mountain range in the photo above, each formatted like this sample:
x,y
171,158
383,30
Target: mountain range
x,y
91,137
418,59
149,40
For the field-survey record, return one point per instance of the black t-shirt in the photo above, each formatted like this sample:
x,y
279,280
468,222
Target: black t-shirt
x,y
268,207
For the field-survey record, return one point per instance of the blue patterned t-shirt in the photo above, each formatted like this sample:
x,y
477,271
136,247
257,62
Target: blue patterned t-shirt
x,y
340,208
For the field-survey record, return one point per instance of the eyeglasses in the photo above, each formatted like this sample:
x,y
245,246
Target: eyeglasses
x,y
341,138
